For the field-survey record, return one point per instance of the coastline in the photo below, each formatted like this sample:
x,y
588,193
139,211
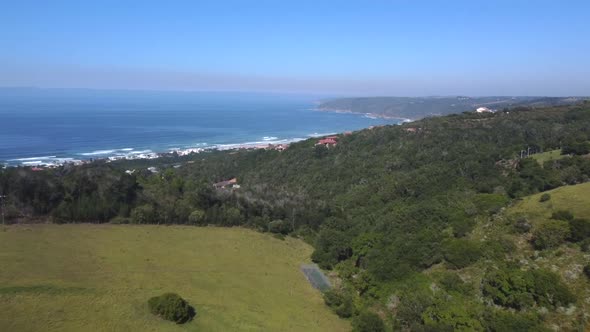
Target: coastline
x,y
370,115
111,155
54,159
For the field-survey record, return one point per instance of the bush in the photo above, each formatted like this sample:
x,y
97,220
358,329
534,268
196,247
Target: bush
x,y
551,234
522,225
118,220
460,253
197,217
580,229
545,198
368,322
340,303
587,271
521,289
451,282
562,215
172,307
500,321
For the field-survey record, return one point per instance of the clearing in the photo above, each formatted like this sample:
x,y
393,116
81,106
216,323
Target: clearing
x,y
99,278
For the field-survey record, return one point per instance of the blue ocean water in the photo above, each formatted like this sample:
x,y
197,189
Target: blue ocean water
x,y
48,124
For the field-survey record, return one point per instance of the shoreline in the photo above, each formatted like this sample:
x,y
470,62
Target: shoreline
x,y
128,153
369,115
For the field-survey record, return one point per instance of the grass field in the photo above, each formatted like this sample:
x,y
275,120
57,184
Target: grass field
x,y
549,155
575,199
99,278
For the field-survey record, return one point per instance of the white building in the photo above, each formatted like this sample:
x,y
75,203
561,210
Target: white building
x,y
484,110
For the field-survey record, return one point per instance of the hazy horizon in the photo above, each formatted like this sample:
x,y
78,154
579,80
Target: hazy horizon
x,y
505,48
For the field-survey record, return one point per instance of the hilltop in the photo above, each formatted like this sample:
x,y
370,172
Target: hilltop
x,y
418,107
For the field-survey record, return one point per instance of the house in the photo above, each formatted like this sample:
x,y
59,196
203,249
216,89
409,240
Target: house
x,y
327,142
484,110
233,183
411,129
36,169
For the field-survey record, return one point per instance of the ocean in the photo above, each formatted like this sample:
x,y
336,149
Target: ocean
x,y
52,125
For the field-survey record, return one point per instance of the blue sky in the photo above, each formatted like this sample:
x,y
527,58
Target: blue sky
x,y
337,47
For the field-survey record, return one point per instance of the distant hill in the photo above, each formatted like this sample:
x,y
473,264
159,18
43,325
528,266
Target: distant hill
x,y
419,107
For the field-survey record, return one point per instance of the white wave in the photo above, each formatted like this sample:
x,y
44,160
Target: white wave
x,y
33,158
98,152
127,149
269,138
140,152
320,134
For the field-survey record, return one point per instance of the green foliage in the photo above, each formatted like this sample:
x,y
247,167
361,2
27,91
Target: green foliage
x,y
490,203
279,227
340,302
412,305
368,321
504,321
521,289
451,282
576,148
562,215
451,314
587,271
172,307
551,234
197,217
460,253
580,229
387,201
544,198
143,214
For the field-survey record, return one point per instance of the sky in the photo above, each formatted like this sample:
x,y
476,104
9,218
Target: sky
x,y
398,48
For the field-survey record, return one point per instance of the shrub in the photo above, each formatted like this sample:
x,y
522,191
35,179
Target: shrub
x,y
460,253
587,271
118,220
562,215
172,307
368,322
585,245
340,303
520,289
197,217
500,320
279,227
580,229
451,282
551,234
522,225
544,198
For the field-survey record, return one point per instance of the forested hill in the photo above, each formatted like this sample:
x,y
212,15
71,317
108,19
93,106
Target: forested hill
x,y
411,219
419,107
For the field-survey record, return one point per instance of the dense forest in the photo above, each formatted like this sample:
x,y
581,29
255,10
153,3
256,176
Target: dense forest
x,y
383,209
419,107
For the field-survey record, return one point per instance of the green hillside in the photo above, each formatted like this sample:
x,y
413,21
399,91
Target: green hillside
x,y
419,224
99,278
419,107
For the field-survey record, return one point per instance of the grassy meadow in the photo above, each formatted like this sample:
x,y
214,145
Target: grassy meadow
x,y
541,158
99,278
575,199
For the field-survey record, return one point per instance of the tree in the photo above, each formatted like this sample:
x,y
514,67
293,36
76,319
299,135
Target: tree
x,y
172,307
460,253
197,217
551,234
368,322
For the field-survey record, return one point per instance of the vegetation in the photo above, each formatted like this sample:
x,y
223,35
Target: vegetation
x,y
99,278
392,211
172,307
419,107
